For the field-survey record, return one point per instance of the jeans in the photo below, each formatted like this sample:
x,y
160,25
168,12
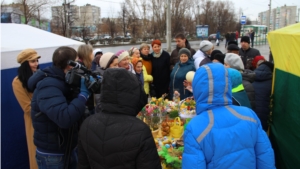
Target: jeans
x,y
55,161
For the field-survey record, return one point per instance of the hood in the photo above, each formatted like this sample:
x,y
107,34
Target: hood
x,y
248,75
121,92
264,72
211,87
199,54
51,71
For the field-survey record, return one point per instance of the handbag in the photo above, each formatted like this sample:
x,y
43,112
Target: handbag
x,y
152,90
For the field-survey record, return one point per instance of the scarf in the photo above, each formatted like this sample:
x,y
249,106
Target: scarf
x,y
157,55
146,57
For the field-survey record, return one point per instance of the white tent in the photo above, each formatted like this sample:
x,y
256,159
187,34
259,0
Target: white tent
x,y
16,37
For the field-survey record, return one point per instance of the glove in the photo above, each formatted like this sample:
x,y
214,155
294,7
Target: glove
x,y
92,79
84,92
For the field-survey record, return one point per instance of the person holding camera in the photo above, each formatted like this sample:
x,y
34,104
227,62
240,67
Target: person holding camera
x,y
56,113
115,138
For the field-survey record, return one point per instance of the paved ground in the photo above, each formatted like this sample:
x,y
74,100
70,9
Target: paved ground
x,y
264,49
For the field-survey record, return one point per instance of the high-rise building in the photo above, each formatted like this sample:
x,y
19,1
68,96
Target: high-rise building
x,y
87,16
280,17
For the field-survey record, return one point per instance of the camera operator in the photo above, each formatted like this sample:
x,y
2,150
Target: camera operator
x,y
56,113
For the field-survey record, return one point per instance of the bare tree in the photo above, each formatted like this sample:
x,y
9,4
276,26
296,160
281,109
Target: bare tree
x,y
124,18
30,7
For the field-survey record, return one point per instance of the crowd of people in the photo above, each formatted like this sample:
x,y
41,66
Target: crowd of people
x,y
72,127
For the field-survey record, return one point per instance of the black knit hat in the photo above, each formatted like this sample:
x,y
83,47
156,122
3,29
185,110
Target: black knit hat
x,y
220,57
232,42
232,47
245,39
213,53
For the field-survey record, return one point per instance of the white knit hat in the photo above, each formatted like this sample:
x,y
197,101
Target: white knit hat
x,y
105,58
121,55
97,51
206,45
234,61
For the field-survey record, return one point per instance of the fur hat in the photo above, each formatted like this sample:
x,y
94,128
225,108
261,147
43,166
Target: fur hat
x,y
234,61
245,39
256,59
158,42
106,59
131,51
232,47
206,45
121,55
184,51
235,77
27,55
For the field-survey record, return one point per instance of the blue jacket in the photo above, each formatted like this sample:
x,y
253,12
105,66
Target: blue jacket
x,y
53,110
223,136
218,35
263,86
178,76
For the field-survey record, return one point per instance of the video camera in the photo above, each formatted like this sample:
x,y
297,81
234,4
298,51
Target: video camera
x,y
73,77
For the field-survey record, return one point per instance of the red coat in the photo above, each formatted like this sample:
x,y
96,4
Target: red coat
x,y
236,35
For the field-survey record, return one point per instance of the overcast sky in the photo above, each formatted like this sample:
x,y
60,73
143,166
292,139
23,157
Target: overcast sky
x,y
250,8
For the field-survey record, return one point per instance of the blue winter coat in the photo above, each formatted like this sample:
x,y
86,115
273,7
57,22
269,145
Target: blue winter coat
x,y
263,86
53,110
223,136
178,76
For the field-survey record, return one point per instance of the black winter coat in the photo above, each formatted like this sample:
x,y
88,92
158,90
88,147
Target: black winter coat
x,y
53,110
115,138
161,73
248,54
248,78
263,87
174,55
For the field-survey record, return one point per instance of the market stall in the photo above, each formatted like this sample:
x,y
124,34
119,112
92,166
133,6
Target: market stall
x,y
285,123
167,120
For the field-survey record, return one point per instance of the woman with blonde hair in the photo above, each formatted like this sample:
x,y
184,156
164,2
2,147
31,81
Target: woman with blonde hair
x,y
85,57
135,53
28,59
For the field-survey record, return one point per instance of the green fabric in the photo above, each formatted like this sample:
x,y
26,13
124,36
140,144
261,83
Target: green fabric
x,y
238,88
285,122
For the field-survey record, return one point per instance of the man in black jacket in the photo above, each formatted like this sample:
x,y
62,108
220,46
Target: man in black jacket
x,y
55,113
181,42
247,53
115,138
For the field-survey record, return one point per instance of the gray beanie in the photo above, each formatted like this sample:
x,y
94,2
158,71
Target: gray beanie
x,y
234,61
206,45
184,51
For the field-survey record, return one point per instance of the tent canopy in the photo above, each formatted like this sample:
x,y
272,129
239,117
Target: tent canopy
x,y
285,123
16,37
285,48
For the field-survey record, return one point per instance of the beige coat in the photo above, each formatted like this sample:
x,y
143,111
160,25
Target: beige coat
x,y
24,98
